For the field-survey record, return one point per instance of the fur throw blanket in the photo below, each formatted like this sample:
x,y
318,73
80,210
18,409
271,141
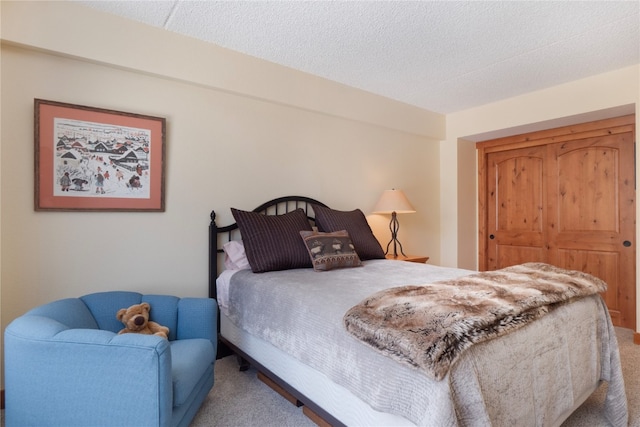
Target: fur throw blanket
x,y
429,326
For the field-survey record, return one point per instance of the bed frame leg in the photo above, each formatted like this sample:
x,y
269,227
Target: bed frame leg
x,y
244,365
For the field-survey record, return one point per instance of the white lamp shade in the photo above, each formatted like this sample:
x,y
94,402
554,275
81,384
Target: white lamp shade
x,y
393,201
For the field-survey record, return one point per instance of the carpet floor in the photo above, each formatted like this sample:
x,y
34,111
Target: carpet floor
x,y
240,399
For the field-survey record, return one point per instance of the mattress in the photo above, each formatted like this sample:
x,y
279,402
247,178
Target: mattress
x,y
291,322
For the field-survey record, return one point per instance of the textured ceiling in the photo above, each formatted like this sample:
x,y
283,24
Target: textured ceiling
x,y
439,55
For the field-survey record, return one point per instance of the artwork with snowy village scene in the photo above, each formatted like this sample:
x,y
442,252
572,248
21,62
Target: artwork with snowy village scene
x,y
92,159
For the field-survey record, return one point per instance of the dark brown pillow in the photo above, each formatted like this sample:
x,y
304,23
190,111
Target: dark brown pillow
x,y
330,250
355,223
272,242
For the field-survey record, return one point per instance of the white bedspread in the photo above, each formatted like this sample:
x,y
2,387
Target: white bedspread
x,y
535,376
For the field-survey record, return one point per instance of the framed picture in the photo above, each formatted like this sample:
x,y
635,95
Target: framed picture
x,y
92,159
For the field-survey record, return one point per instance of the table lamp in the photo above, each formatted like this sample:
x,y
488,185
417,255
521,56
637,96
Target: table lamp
x,y
393,202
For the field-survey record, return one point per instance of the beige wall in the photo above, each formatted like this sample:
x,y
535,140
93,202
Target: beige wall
x,y
239,132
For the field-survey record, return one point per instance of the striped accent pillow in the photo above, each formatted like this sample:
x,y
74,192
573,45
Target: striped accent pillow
x,y
272,242
355,223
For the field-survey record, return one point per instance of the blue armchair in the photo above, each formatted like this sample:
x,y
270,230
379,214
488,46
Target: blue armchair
x,y
65,365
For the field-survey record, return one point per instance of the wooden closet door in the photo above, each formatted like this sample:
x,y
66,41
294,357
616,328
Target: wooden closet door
x,y
565,196
516,196
591,220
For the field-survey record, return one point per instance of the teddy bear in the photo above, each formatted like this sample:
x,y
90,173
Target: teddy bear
x,y
136,319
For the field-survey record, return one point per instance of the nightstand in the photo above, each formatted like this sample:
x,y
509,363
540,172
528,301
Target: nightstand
x,y
410,258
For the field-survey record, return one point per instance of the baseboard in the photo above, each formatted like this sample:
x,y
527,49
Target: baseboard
x,y
636,338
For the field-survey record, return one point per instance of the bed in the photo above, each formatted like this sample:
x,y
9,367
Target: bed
x,y
290,320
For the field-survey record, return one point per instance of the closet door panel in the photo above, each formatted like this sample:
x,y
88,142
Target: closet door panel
x,y
516,197
605,265
592,215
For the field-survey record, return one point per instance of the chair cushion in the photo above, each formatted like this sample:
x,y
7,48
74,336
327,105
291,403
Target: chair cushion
x,y
189,361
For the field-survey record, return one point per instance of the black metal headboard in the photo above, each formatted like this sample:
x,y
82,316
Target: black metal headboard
x,y
218,236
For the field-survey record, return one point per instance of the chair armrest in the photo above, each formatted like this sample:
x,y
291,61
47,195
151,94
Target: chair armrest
x,y
198,318
85,376
35,327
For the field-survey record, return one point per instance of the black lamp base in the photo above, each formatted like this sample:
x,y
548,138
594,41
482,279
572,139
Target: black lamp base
x,y
394,226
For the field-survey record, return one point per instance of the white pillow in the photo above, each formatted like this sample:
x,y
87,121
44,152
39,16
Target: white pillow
x,y
234,256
